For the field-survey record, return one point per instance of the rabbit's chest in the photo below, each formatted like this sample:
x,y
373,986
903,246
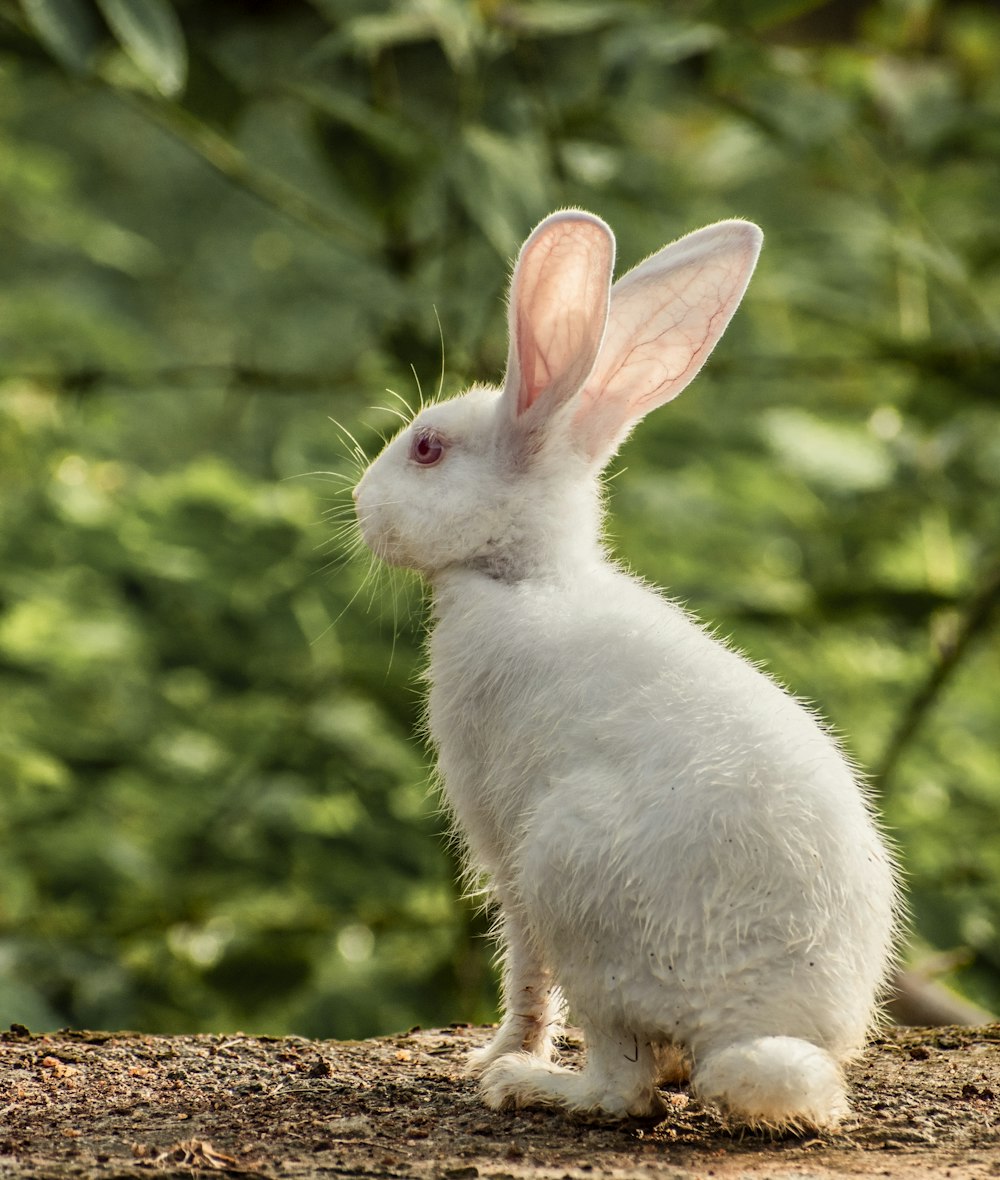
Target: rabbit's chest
x,y
496,751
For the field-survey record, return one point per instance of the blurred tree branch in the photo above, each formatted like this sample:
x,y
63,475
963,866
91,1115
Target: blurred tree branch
x,y
88,379
980,369
976,620
221,154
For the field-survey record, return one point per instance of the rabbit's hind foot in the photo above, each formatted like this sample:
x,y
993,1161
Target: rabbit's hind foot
x,y
618,1080
777,1083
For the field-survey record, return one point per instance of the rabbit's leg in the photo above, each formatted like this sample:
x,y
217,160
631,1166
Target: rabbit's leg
x,y
533,1008
772,1082
619,1079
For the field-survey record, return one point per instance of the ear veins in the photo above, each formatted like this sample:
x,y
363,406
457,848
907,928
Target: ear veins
x,y
558,308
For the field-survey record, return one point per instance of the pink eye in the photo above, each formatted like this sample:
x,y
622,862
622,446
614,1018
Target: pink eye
x,y
426,449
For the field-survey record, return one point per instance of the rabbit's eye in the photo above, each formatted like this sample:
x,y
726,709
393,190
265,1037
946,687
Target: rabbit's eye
x,y
426,449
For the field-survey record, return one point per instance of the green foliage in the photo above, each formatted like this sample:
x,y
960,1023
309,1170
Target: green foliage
x,y
222,223
148,31
197,777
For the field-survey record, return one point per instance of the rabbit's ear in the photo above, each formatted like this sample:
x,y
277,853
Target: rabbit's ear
x,y
666,316
558,310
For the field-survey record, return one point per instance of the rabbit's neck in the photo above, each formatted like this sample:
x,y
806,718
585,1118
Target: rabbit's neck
x,y
566,559
568,564
551,536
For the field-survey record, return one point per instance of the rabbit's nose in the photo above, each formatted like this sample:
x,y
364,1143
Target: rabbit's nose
x,y
354,494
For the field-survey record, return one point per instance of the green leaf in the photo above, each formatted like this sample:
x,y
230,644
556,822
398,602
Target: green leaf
x,y
386,133
69,29
454,24
150,33
766,14
566,19
501,182
830,454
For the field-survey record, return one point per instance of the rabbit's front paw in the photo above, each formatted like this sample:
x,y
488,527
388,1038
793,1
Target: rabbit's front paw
x,y
531,1035
479,1060
519,1079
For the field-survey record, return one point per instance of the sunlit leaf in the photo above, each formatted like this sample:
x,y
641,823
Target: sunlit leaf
x,y
151,34
454,24
838,456
548,19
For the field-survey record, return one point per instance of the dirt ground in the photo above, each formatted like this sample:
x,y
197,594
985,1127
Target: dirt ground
x,y
85,1104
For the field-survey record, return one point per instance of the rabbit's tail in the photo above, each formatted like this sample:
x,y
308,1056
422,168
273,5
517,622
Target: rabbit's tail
x,y
777,1082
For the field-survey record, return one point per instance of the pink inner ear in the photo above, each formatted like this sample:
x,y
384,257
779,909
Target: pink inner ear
x,y
559,297
666,316
535,375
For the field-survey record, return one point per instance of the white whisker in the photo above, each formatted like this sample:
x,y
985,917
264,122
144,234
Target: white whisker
x,y
440,385
420,391
404,418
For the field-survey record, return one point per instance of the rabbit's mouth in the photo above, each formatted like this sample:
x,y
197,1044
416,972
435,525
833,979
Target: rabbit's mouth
x,y
381,539
386,541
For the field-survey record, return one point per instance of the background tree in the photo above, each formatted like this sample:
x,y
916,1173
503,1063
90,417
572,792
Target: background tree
x,y
223,223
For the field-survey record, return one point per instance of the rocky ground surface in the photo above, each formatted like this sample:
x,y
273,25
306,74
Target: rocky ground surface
x,y
88,1104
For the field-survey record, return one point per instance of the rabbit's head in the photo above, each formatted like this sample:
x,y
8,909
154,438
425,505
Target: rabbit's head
x,y
505,480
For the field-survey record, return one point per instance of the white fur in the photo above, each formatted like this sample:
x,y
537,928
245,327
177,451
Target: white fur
x,y
676,846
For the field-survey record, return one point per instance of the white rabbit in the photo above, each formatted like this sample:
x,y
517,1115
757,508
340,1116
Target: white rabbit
x,y
678,849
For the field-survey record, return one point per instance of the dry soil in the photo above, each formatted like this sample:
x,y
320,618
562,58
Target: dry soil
x,y
88,1104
